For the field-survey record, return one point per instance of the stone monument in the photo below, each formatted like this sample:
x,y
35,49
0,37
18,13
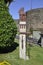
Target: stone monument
x,y
22,35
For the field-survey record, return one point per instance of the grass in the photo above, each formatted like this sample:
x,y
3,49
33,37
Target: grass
x,y
36,57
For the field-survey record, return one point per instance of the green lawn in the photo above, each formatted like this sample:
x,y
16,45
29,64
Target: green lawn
x,y
36,57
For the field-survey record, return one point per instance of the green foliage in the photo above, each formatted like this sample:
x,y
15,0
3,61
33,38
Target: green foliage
x,y
8,27
31,30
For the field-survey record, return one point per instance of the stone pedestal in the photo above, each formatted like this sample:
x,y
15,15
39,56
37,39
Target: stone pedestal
x,y
22,47
22,40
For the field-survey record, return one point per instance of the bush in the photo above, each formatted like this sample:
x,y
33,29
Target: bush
x,y
8,27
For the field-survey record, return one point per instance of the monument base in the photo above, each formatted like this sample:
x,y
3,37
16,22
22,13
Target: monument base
x,y
25,58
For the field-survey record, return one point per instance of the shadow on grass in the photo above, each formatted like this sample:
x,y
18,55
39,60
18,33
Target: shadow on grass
x,y
9,48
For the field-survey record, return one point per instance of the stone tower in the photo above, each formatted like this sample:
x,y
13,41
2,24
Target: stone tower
x,y
22,35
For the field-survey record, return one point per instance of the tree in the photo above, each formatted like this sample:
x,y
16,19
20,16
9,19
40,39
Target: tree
x,y
8,27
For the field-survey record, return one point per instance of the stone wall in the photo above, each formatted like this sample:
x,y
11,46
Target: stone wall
x,y
35,19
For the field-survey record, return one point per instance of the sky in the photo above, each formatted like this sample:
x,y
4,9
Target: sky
x,y
17,4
